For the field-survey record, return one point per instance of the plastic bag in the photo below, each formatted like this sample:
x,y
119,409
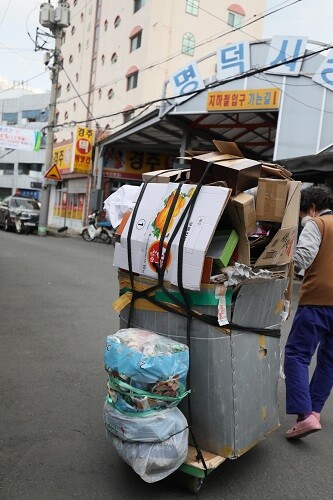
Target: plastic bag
x,y
158,426
147,372
153,461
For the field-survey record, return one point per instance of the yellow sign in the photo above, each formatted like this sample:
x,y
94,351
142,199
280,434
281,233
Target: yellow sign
x,y
83,150
131,164
62,157
243,100
53,173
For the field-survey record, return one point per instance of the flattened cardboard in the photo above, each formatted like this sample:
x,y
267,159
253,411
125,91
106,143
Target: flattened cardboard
x,y
280,250
171,175
207,211
229,165
271,199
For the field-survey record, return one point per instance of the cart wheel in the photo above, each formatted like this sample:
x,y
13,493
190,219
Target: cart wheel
x,y
195,484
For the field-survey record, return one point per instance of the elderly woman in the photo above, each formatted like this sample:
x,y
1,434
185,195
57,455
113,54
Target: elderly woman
x,y
313,323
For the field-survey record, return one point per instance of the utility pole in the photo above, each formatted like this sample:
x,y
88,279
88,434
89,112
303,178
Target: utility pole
x,y
55,19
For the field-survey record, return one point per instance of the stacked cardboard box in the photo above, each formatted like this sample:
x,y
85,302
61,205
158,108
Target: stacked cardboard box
x,y
245,214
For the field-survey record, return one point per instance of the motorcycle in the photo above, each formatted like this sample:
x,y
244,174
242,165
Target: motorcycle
x,y
98,230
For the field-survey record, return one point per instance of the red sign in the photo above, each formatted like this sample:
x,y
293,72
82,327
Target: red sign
x,y
83,146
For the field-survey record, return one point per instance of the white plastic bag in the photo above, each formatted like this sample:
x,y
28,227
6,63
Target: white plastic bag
x,y
157,426
153,461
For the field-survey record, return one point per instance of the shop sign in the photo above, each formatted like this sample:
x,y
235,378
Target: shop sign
x,y
119,164
235,59
62,158
232,60
324,75
187,79
283,48
84,142
243,100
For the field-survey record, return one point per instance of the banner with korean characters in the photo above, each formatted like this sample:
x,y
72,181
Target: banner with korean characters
x,y
20,138
84,142
63,157
119,164
284,57
238,100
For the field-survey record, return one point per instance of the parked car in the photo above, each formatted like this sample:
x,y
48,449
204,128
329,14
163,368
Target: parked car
x,y
19,214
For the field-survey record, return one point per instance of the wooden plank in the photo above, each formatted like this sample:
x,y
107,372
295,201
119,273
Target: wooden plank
x,y
212,461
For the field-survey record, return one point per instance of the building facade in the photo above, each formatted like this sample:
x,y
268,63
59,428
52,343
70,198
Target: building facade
x,y
21,171
117,57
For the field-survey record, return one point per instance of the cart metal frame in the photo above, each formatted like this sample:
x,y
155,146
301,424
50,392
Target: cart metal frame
x,y
194,467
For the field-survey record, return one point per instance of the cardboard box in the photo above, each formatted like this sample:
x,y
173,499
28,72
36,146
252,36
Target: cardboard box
x,y
229,165
280,250
173,175
271,199
222,247
242,211
148,225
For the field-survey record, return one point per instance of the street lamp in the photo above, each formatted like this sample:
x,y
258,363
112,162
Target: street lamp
x,y
55,19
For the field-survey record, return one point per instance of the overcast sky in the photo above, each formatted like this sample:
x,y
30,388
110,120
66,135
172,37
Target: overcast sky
x,y
20,62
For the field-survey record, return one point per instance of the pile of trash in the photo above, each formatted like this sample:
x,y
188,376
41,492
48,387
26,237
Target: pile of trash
x,y
147,379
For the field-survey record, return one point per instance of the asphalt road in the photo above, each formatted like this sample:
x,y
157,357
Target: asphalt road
x,y
55,300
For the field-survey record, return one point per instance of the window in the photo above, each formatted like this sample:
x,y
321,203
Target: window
x,y
68,87
70,59
138,4
103,60
77,77
66,115
96,39
75,2
110,93
7,168
74,106
116,22
63,37
99,93
188,44
128,115
98,10
192,7
132,80
114,58
10,118
73,30
32,115
135,41
106,25
82,17
236,15
79,47
23,168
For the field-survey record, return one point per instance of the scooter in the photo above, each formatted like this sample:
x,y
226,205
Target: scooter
x,y
102,231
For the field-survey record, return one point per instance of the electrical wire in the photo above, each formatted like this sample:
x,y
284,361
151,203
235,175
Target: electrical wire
x,y
177,54
5,12
251,72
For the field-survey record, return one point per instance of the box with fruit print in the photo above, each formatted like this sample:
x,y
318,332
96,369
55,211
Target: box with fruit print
x,y
149,227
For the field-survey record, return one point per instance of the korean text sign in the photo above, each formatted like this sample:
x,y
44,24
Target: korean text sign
x,y
84,141
243,99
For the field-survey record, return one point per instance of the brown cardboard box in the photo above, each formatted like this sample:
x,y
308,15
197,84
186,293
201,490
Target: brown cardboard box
x,y
280,250
229,165
271,199
243,211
